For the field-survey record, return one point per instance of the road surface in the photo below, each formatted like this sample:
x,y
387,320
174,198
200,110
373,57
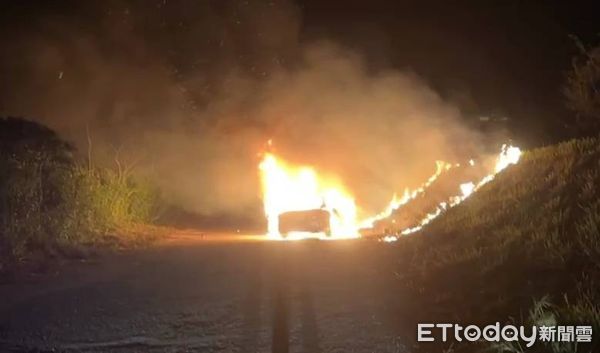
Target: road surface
x,y
210,294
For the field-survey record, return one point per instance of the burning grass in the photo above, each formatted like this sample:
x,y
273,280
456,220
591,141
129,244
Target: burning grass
x,y
531,234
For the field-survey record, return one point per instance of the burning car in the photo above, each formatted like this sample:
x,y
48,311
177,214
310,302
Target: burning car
x,y
311,221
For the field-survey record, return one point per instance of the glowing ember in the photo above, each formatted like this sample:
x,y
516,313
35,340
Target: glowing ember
x,y
467,189
509,155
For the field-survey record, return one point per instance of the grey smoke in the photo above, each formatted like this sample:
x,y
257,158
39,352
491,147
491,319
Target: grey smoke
x,y
194,108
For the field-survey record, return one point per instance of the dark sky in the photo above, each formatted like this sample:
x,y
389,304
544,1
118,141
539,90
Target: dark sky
x,y
494,57
490,57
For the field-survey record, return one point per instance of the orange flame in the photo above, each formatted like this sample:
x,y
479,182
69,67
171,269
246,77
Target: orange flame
x,y
292,188
508,155
287,188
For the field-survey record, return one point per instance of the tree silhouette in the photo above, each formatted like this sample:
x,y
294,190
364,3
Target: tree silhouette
x,y
582,89
18,136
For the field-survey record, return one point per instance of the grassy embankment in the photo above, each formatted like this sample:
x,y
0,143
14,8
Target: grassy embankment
x,y
52,206
525,249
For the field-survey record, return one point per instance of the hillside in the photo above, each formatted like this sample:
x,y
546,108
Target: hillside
x,y
524,248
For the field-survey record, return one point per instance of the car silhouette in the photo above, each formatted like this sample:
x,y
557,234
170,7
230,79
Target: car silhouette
x,y
311,221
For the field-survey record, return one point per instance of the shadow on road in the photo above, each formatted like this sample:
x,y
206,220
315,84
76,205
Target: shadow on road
x,y
310,330
283,301
252,308
281,316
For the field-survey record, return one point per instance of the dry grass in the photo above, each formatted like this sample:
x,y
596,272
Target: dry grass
x,y
533,233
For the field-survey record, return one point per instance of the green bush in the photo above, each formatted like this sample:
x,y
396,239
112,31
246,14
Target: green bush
x,y
100,201
47,200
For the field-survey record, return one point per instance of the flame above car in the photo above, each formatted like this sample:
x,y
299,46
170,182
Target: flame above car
x,y
291,188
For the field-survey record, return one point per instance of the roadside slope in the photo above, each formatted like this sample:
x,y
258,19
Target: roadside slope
x,y
525,247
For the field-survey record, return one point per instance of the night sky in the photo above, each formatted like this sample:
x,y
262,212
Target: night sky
x,y
493,57
499,58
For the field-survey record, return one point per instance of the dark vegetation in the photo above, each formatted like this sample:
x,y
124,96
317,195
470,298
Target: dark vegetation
x,y
582,90
524,248
52,205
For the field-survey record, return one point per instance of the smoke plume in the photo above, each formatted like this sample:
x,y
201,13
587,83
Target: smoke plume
x,y
188,94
